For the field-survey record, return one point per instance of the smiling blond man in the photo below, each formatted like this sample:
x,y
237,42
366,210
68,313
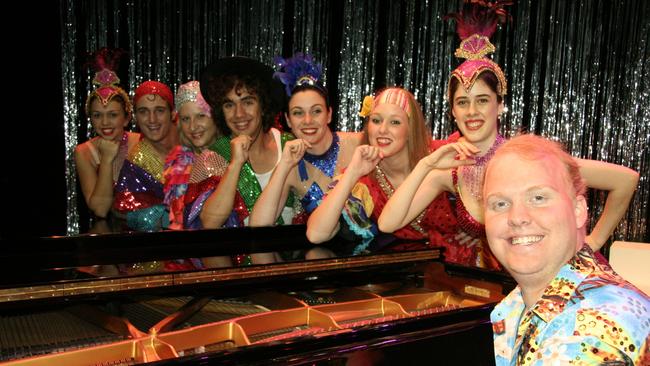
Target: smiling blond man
x,y
568,307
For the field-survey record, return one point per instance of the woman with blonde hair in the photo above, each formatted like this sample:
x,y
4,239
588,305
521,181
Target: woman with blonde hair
x,y
396,138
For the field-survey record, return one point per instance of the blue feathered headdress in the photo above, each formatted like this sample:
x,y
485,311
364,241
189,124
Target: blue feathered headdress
x,y
298,70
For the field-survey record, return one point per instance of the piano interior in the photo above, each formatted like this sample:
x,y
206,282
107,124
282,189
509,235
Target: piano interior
x,y
120,324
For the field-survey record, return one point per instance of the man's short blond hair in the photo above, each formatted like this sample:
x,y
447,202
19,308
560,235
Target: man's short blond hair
x,y
533,147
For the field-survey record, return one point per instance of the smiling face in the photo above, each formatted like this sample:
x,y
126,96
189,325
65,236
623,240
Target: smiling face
x,y
388,129
308,118
108,120
154,117
532,216
476,113
242,112
197,126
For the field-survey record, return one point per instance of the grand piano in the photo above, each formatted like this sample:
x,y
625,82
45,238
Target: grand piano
x,y
122,299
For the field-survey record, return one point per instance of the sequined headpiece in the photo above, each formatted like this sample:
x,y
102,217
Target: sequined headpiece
x,y
298,70
475,23
397,96
155,88
106,80
191,92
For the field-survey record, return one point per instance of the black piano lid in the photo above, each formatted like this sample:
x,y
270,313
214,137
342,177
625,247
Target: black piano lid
x,y
19,254
47,267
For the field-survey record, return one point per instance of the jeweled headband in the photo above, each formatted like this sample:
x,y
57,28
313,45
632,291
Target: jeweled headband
x,y
298,70
191,92
396,96
106,81
469,71
475,24
155,88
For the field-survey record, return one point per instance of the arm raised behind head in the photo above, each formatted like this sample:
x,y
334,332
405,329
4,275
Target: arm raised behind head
x,y
620,182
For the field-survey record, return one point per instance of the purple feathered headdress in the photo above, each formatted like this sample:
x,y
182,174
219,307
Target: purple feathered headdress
x,y
298,70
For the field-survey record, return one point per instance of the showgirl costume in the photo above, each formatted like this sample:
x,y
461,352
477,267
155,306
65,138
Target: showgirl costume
x,y
370,194
108,89
190,177
301,71
139,190
475,27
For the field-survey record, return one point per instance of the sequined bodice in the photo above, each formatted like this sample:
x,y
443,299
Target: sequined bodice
x,y
311,199
466,221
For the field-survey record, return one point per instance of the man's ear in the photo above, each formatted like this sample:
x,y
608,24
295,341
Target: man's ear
x,y
581,212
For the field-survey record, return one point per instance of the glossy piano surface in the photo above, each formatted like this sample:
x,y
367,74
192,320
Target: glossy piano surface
x,y
107,300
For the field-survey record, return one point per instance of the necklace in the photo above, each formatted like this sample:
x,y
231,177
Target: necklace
x,y
388,189
326,162
473,175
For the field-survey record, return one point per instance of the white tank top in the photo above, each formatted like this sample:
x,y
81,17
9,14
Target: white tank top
x,y
264,178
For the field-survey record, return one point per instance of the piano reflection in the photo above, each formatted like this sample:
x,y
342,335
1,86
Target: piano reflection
x,y
69,302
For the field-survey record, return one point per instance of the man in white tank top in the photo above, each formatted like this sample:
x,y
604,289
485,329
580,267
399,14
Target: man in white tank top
x,y
245,100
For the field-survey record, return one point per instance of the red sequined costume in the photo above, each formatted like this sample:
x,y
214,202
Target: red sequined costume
x,y
478,255
437,223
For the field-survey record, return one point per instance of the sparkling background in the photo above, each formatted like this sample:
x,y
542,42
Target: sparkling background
x,y
578,71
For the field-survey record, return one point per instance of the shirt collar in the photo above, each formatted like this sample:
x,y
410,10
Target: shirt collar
x,y
562,288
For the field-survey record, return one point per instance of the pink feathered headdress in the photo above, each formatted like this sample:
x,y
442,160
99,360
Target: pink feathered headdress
x,y
105,61
475,24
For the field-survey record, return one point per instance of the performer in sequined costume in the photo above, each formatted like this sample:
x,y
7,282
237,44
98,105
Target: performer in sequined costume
x,y
139,191
100,159
309,162
396,138
192,170
245,101
476,93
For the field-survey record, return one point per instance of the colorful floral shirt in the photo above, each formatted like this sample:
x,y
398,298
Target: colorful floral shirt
x,y
588,315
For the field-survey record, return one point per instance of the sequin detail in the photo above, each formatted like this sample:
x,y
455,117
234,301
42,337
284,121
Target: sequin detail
x,y
150,219
325,162
466,221
189,180
473,175
388,189
247,185
136,189
312,198
145,156
366,202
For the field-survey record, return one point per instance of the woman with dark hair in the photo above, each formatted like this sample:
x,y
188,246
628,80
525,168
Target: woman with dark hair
x,y
245,100
100,159
476,91
309,162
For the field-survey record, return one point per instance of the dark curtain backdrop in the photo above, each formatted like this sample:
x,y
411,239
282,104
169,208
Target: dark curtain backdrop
x,y
578,71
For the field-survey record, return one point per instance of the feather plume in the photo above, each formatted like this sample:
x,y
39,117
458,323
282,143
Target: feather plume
x,y
298,70
479,17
